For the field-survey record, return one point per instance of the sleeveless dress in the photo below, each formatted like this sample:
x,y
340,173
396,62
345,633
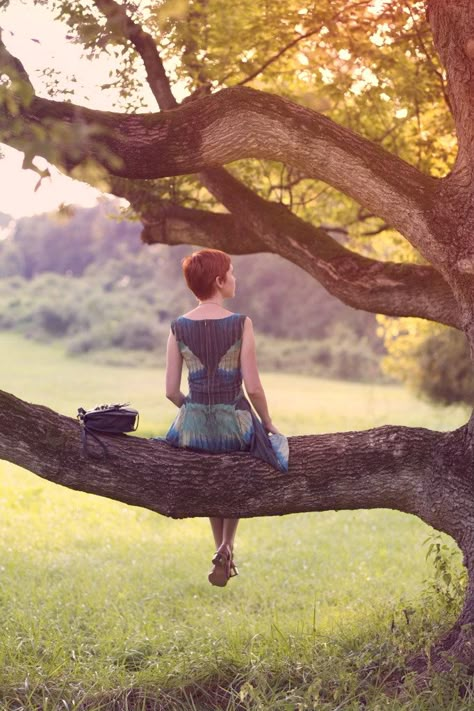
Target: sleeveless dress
x,y
216,416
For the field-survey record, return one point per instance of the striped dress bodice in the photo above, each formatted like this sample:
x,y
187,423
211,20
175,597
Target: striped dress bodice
x,y
211,351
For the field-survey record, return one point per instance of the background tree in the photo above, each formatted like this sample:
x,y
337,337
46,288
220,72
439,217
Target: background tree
x,y
431,359
385,174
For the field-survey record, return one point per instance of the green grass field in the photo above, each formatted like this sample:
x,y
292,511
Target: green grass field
x,y
107,606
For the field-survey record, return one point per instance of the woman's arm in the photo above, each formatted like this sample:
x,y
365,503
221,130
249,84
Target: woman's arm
x,y
174,367
251,378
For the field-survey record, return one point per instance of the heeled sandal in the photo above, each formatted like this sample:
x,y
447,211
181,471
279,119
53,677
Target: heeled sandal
x,y
224,567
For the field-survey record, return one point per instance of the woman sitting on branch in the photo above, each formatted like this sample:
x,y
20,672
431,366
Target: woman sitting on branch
x,y
218,347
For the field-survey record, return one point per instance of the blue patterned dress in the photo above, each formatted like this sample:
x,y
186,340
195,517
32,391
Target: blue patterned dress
x,y
216,416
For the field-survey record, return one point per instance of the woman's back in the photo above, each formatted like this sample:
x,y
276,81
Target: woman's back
x,y
211,350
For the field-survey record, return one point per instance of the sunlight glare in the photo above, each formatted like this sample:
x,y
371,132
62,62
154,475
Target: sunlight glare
x,y
344,54
401,113
19,198
378,6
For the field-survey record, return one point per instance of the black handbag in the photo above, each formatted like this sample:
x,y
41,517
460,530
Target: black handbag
x,y
108,419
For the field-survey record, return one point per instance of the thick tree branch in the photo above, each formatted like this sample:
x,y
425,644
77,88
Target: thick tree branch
x,y
452,24
370,469
174,224
414,470
241,123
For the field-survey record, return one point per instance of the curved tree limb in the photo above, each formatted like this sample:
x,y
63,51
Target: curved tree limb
x,y
232,124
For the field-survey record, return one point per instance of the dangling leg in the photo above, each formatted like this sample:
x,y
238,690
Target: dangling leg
x,y
228,537
229,530
217,576
217,525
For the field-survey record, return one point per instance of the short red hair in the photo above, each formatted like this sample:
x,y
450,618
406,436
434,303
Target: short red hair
x,y
202,268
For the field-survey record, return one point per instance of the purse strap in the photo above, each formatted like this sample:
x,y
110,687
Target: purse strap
x,y
85,431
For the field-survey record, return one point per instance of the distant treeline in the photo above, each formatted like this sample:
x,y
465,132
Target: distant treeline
x,y
86,278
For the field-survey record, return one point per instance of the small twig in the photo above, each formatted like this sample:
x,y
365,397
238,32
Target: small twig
x,y
292,44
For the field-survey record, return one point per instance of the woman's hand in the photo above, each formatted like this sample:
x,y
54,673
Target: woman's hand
x,y
270,428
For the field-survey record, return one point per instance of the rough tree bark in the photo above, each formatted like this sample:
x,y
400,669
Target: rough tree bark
x,y
429,474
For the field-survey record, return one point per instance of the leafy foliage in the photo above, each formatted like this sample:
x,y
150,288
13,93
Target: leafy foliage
x,y
449,580
433,360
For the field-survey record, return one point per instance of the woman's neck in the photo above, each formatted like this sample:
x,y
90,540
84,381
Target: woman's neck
x,y
215,301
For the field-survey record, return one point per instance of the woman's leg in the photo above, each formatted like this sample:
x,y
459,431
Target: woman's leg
x,y
217,525
224,530
228,531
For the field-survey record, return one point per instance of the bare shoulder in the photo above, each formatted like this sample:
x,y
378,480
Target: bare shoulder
x,y
247,331
248,325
